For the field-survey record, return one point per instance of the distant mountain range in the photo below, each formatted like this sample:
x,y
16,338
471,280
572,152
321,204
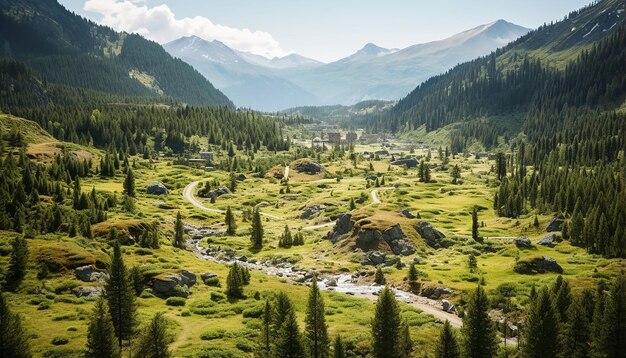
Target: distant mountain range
x,y
373,72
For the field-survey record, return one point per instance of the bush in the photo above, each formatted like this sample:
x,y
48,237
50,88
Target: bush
x,y
66,286
253,312
175,301
213,334
244,345
217,296
212,281
59,341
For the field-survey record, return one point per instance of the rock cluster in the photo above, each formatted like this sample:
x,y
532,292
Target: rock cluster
x,y
156,188
522,243
369,239
90,274
432,236
307,166
311,212
87,291
540,264
174,284
409,162
342,227
549,240
436,292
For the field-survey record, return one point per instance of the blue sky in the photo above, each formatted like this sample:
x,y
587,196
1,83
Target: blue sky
x,y
325,30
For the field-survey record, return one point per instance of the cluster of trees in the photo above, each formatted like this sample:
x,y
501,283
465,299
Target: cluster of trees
x,y
238,276
288,240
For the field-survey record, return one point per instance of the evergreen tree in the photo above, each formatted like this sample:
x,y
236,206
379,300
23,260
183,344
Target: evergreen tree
x,y
338,348
13,338
315,330
475,224
406,344
386,326
265,343
129,183
447,346
101,341
456,173
154,340
229,220
120,297
288,341
542,329
256,233
282,307
179,232
18,261
412,274
576,335
612,334
478,334
379,276
136,277
234,282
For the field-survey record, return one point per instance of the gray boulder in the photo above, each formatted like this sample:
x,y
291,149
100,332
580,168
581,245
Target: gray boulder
x,y
431,235
393,233
407,214
342,227
436,292
448,306
408,162
554,224
312,211
308,167
540,264
175,284
549,240
90,274
402,247
207,276
156,188
522,242
374,258
368,238
371,177
87,291
331,282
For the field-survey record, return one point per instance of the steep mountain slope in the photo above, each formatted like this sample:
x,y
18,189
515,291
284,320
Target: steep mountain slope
x,y
376,73
67,49
242,76
558,64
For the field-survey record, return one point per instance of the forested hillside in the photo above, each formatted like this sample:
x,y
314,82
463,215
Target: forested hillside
x,y
68,49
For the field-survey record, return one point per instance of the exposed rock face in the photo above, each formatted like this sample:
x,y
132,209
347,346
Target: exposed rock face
x,y
156,188
394,236
549,240
448,306
368,238
554,224
90,274
241,177
342,227
374,258
312,211
87,291
197,233
175,284
409,162
523,243
538,265
431,235
307,166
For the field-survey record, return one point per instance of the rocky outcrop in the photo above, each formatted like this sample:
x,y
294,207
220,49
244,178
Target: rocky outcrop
x,y
342,227
394,237
436,292
448,306
368,239
90,274
408,162
87,291
522,243
549,240
374,258
156,188
307,166
554,224
175,284
407,214
200,232
540,264
432,236
311,212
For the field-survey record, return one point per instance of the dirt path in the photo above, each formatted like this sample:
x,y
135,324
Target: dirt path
x,y
374,194
188,195
286,176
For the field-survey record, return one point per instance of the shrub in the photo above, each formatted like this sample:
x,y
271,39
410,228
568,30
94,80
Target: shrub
x,y
253,312
175,301
59,341
217,296
213,334
212,281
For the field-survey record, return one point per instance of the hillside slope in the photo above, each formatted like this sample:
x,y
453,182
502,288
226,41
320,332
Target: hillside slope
x,y
68,49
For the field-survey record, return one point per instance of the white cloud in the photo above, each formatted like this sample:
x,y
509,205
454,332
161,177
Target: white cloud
x,y
159,23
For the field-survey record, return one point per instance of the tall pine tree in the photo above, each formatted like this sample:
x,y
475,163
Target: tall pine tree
x,y
478,334
447,346
101,342
120,296
386,326
315,330
541,332
13,338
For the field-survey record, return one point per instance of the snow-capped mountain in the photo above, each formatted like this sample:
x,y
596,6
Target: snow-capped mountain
x,y
373,72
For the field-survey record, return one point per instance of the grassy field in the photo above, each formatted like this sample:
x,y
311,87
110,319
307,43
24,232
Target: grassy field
x,y
208,320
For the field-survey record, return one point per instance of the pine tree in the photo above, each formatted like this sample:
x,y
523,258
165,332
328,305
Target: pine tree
x,y
288,341
386,326
129,184
13,338
101,342
456,173
282,307
256,234
179,232
447,346
338,348
478,334
17,263
315,330
120,297
154,340
265,344
576,335
562,300
229,220
234,282
379,277
612,335
542,329
406,344
412,274
475,224
136,277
